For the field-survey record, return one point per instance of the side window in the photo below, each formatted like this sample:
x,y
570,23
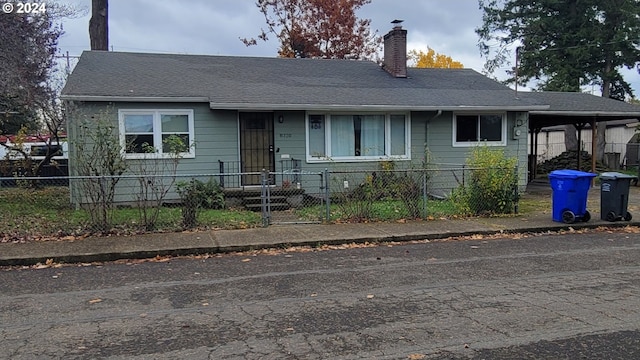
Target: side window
x,y
472,129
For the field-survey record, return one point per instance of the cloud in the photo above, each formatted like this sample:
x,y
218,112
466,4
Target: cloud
x,y
215,28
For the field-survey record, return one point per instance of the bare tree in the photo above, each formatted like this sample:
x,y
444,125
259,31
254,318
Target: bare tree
x,y
30,81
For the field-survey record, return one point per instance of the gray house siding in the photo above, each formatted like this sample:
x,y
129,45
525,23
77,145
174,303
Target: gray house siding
x,y
215,131
289,138
216,138
439,130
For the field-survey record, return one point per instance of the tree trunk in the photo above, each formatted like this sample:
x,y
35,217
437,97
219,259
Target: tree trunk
x,y
99,25
571,138
602,126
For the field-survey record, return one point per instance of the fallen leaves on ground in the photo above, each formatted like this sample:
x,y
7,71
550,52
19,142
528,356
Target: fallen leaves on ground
x,y
286,251
417,357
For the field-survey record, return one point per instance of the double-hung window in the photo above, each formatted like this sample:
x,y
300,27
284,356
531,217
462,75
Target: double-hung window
x,y
159,133
473,129
357,137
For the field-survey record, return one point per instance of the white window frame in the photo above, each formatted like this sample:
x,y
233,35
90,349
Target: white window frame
x,y
157,132
503,132
387,140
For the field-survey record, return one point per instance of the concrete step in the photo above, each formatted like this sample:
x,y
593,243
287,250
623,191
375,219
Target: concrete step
x,y
258,200
274,206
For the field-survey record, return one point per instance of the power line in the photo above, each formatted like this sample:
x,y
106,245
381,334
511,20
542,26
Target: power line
x,y
68,57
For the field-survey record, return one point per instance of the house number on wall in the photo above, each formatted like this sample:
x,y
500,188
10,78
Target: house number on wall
x,y
285,135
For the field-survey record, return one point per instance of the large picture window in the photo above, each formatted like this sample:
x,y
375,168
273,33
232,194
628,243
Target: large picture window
x,y
146,133
472,129
357,137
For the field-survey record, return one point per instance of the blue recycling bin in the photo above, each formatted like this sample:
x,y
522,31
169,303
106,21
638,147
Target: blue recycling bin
x,y
569,199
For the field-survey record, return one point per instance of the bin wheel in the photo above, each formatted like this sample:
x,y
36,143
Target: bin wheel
x,y
568,217
627,216
611,216
586,217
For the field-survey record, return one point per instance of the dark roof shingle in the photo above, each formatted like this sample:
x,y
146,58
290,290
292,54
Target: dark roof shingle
x,y
228,82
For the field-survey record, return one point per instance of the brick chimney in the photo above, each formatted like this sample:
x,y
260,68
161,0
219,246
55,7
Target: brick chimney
x,y
395,51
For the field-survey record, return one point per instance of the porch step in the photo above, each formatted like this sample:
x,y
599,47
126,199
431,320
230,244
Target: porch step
x,y
255,203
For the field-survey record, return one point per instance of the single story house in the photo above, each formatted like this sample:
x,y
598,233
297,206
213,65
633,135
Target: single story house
x,y
256,112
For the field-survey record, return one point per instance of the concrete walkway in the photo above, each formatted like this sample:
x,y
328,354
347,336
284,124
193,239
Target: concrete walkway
x,y
184,243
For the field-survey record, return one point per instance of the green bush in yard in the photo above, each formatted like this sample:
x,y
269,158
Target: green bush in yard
x,y
492,184
197,194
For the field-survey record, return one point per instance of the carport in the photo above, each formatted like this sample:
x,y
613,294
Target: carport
x,y
578,109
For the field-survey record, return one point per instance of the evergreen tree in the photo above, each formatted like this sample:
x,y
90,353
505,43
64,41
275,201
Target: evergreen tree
x,y
564,44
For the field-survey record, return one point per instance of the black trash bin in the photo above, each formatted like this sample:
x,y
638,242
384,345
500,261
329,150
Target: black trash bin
x,y
614,196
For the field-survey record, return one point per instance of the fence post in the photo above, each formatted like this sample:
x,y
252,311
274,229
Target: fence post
x,y
264,199
221,168
516,195
463,174
327,195
296,170
424,194
103,195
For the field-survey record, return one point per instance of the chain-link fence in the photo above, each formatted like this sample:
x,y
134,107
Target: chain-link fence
x,y
441,190
46,207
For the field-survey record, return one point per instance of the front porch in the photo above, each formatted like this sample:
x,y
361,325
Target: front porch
x,y
235,175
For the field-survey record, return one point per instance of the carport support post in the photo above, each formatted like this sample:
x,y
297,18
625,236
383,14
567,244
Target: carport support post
x,y
579,127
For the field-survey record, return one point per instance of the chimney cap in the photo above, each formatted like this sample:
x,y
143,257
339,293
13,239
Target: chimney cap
x,y
397,23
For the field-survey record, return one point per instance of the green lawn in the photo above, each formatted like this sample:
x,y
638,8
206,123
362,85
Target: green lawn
x,y
384,210
47,212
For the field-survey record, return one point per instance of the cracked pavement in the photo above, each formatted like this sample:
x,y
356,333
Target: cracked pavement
x,y
533,297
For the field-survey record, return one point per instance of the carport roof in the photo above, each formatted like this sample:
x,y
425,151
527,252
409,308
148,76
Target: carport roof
x,y
574,107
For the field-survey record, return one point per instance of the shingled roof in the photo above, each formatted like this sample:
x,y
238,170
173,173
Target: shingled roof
x,y
245,83
576,104
575,107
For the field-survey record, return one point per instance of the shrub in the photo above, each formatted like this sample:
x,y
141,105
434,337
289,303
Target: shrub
x,y
197,194
491,187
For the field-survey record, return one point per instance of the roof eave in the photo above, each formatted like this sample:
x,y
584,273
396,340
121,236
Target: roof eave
x,y
631,114
102,98
335,107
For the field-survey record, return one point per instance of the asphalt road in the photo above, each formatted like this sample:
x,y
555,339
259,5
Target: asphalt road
x,y
554,296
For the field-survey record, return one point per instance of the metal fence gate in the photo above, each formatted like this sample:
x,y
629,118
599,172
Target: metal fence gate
x,y
300,198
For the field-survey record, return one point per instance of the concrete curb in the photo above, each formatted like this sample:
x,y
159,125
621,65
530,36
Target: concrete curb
x,y
70,255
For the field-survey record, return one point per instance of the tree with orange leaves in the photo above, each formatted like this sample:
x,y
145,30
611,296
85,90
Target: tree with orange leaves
x,y
431,59
326,29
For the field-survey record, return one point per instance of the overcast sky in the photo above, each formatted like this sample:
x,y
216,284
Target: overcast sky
x,y
213,27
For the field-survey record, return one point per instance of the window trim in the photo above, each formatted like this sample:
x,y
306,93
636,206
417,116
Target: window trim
x,y
346,159
454,131
157,132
